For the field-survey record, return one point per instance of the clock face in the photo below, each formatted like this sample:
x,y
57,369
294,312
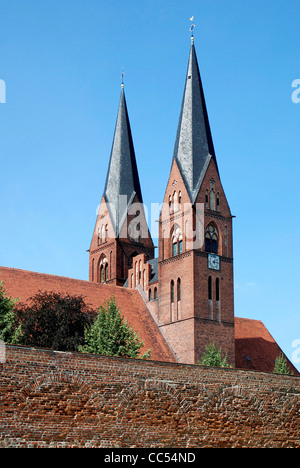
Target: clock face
x,y
213,262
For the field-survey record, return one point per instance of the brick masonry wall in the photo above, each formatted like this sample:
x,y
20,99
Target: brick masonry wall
x,y
54,399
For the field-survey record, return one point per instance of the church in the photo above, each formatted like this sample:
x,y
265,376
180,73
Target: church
x,y
182,299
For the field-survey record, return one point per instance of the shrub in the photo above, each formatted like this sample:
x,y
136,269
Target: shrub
x,y
55,321
213,357
111,335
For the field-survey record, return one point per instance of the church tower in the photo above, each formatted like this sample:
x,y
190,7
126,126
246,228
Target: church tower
x,y
196,304
121,231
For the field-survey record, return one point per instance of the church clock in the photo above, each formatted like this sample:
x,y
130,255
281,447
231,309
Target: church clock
x,y
213,262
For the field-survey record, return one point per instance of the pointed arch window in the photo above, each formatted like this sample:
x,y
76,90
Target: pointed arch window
x,y
172,292
209,288
217,289
175,248
102,233
175,201
93,269
103,269
139,236
178,290
180,246
212,199
206,198
211,239
170,203
177,241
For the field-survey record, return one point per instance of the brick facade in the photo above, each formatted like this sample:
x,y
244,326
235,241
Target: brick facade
x,y
190,318
111,256
53,399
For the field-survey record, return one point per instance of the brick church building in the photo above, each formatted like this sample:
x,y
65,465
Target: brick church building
x,y
183,299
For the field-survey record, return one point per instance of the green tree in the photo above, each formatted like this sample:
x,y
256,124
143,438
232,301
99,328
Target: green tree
x,y
111,335
9,329
281,366
55,321
212,356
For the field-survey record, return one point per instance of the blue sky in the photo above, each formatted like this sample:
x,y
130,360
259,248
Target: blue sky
x,y
62,60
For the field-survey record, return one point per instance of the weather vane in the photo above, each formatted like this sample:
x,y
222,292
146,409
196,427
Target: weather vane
x,y
122,77
192,28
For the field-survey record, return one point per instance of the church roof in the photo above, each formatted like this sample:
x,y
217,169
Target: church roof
x,y
122,177
193,146
25,284
255,347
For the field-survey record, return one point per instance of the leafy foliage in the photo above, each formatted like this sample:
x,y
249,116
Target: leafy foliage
x,y
9,331
55,321
281,366
212,356
111,335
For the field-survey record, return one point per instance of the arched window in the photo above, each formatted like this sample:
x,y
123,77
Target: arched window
x,y
180,246
177,241
139,234
178,290
179,200
155,293
211,239
172,292
212,200
206,199
102,233
218,201
209,288
103,269
106,232
175,249
170,203
150,295
175,201
136,273
217,290
101,274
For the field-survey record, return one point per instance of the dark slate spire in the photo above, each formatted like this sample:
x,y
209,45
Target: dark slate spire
x,y
193,146
122,178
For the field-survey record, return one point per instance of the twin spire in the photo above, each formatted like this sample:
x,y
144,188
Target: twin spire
x,y
193,147
122,181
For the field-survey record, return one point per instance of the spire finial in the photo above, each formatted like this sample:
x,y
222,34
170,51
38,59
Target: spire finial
x,y
192,28
122,78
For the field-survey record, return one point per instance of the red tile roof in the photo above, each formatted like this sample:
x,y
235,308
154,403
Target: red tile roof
x,y
255,348
25,284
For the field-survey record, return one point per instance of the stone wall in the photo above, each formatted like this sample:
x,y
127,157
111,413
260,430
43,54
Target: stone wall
x,y
54,399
